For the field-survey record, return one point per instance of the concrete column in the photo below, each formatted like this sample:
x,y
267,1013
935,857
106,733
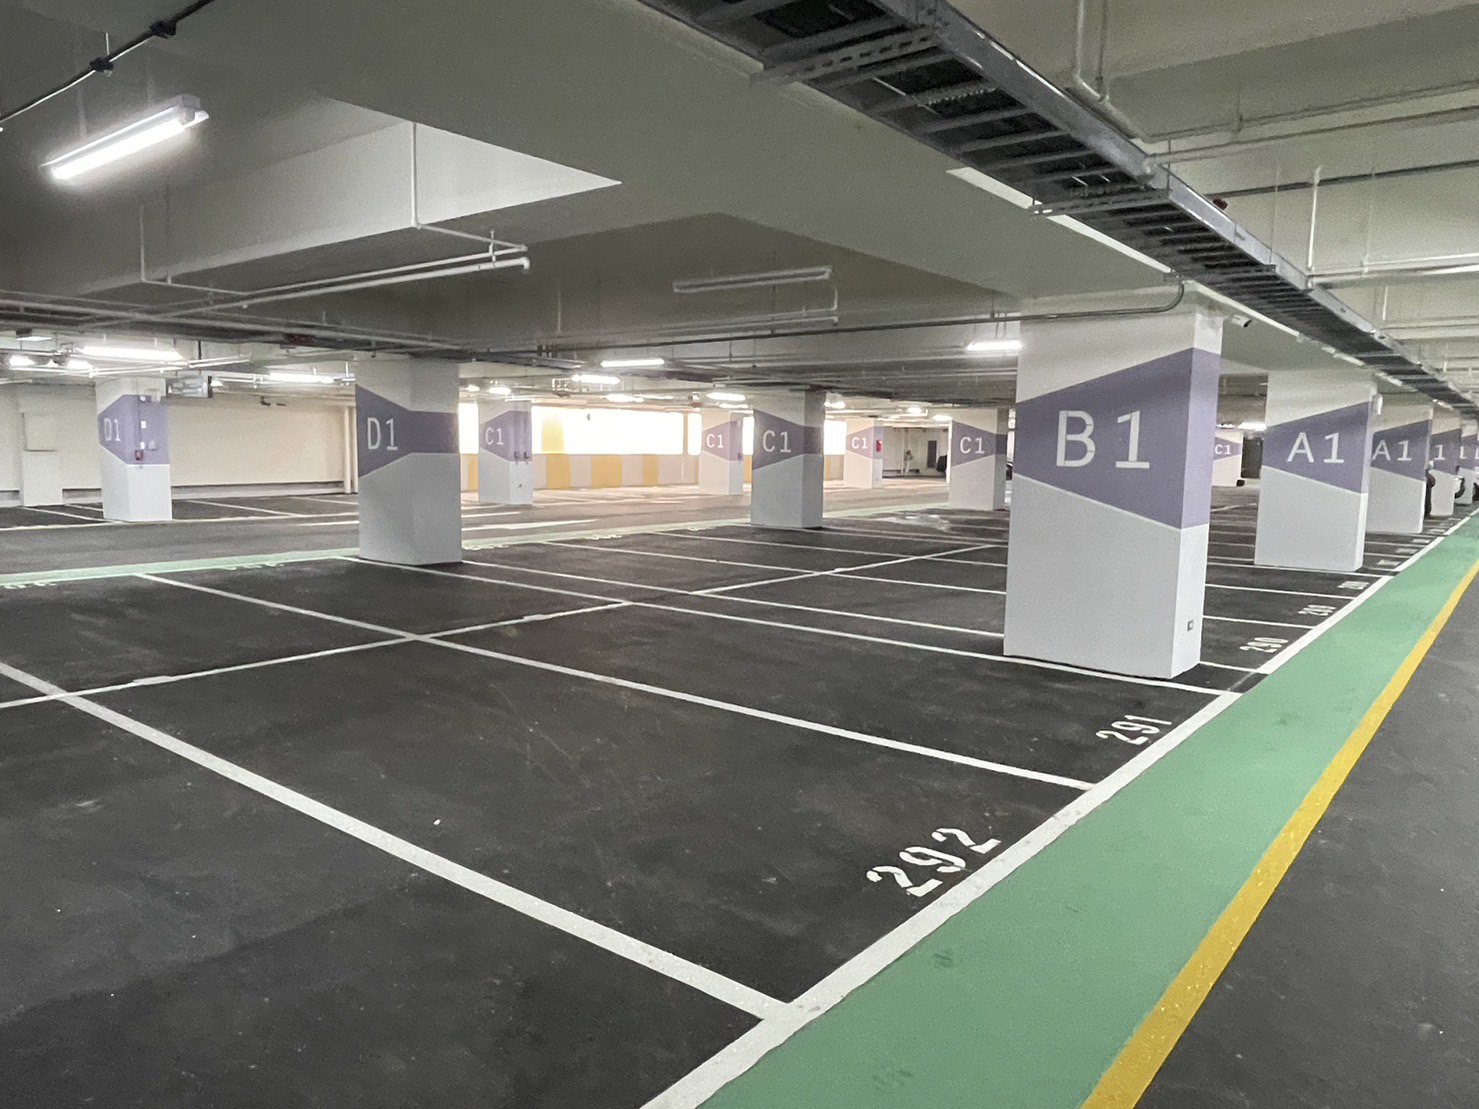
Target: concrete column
x,y
1227,458
38,447
788,469
410,501
1112,491
721,453
862,463
505,452
133,431
1468,451
1313,495
1399,467
978,458
1443,460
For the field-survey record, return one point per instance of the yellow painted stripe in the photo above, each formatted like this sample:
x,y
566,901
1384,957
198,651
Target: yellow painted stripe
x,y
1132,1072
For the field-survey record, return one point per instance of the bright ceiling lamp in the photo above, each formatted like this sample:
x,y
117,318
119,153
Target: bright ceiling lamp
x,y
595,379
158,126
633,363
498,391
727,397
943,417
623,398
157,355
1253,425
20,361
994,346
914,410
837,405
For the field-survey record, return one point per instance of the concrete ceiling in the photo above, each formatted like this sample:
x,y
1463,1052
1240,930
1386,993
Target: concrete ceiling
x,y
714,175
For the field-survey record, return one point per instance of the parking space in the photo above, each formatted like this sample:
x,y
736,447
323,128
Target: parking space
x,y
597,805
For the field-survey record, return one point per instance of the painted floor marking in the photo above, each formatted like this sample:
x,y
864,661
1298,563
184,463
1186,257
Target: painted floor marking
x,y
245,508
643,687
1294,592
59,512
528,525
644,954
191,675
700,537
699,1085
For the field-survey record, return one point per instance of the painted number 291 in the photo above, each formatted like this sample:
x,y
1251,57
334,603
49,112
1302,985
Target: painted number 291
x,y
928,858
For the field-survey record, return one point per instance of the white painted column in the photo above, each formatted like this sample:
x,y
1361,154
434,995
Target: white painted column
x,y
1443,460
38,448
978,458
721,453
410,501
862,462
133,432
1313,493
1468,452
505,452
788,471
1112,491
1399,467
1227,458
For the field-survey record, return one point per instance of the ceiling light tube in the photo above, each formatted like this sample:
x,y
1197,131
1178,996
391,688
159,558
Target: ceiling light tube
x,y
291,377
633,363
156,355
753,280
595,379
723,395
623,398
994,346
20,361
498,391
159,125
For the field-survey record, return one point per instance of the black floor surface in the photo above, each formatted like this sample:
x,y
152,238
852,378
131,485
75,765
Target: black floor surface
x,y
1359,985
714,774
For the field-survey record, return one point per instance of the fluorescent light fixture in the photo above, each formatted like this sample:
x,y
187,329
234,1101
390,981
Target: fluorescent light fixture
x,y
633,363
472,388
294,377
764,280
81,365
943,417
159,125
994,346
499,391
20,361
914,410
657,396
595,379
34,337
1253,425
836,405
736,407
623,398
156,355
724,395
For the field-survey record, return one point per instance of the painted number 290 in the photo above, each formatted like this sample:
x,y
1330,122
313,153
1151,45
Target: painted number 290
x,y
1134,730
928,858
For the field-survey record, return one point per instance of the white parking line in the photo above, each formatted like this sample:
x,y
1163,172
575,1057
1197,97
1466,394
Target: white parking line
x,y
654,958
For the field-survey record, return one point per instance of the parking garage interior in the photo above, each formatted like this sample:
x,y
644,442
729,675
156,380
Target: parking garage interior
x,y
646,554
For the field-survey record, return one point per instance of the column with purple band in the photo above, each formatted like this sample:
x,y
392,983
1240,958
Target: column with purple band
x,y
1399,467
1113,483
1313,492
978,458
133,434
1227,458
862,463
721,453
1443,460
1468,450
505,452
787,476
410,502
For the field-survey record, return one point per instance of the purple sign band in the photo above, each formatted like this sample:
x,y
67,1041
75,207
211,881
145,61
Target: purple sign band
x,y
1468,452
1329,447
135,430
1402,450
1444,455
1134,439
387,432
864,443
509,436
974,444
1227,447
724,441
777,440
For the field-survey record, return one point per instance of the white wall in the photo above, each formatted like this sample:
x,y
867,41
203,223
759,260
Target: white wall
x,y
222,441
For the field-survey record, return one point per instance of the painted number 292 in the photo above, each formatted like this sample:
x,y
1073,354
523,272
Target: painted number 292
x,y
1134,730
929,858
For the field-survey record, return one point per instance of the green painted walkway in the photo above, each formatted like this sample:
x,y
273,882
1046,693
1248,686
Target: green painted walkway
x,y
1024,999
